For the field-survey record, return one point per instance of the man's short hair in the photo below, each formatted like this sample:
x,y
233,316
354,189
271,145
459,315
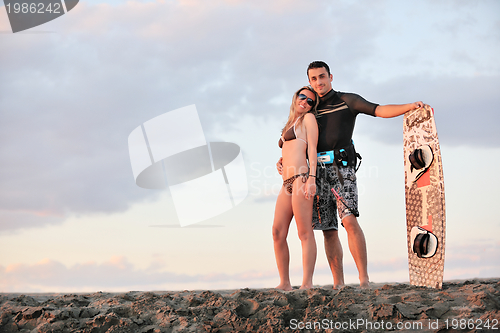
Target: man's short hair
x,y
318,64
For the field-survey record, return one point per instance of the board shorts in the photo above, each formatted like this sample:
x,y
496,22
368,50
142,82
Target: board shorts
x,y
325,206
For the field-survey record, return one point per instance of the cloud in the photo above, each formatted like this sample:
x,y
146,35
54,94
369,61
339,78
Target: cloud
x,y
464,108
14,220
476,259
115,274
71,98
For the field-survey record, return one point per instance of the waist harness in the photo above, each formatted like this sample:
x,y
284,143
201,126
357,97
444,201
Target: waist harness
x,y
342,157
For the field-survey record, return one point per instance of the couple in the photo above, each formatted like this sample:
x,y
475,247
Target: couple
x,y
321,123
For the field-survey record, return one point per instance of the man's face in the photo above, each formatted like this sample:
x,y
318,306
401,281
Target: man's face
x,y
320,81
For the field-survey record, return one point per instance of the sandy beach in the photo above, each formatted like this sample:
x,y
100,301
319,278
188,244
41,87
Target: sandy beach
x,y
465,306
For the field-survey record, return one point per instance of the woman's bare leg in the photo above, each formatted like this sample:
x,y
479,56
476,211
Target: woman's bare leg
x,y
302,209
282,218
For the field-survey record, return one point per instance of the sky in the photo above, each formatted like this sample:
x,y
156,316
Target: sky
x,y
72,90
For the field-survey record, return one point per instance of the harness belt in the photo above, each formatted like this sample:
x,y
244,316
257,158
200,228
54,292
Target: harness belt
x,y
342,157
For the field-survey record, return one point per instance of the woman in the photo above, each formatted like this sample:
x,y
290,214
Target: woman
x,y
298,143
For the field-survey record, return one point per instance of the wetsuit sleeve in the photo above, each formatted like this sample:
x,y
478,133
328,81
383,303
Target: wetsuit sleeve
x,y
358,104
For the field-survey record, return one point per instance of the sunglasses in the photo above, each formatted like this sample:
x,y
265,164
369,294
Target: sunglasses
x,y
309,101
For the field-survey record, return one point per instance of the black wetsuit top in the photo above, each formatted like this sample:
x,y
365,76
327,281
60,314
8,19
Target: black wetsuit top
x,y
336,117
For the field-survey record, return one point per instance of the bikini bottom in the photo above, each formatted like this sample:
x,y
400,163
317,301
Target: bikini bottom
x,y
288,183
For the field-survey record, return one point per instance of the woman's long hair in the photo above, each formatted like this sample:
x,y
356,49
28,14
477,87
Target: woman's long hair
x,y
292,116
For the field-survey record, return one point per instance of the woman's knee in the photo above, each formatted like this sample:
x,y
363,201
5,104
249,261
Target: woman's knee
x,y
279,234
306,235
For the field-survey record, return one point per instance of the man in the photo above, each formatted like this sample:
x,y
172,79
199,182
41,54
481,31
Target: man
x,y
336,117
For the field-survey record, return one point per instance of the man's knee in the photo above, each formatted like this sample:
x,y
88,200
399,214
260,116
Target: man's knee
x,y
349,222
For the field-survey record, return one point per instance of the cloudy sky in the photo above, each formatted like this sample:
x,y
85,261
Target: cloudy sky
x,y
73,89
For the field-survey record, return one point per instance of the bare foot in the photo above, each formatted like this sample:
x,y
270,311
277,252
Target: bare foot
x,y
284,286
365,285
306,286
338,286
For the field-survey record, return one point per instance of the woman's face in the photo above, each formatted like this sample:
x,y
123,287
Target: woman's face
x,y
304,101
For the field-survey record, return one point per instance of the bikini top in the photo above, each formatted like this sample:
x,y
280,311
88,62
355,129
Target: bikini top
x,y
289,135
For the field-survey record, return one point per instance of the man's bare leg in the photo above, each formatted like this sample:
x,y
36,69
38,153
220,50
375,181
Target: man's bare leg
x,y
357,246
334,254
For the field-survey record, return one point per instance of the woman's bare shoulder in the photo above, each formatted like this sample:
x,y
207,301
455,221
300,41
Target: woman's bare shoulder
x,y
310,118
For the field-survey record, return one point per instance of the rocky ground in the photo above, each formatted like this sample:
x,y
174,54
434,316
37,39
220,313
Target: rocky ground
x,y
465,306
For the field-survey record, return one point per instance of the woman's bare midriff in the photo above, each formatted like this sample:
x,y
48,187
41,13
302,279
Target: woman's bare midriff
x,y
294,158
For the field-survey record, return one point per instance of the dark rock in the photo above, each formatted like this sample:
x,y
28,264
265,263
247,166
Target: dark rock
x,y
5,317
150,329
484,299
247,308
438,310
10,327
381,311
24,300
408,311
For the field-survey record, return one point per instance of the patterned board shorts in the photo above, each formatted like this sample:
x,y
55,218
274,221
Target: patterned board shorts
x,y
325,208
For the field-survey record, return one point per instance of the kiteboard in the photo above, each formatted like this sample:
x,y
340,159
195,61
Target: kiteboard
x,y
425,202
